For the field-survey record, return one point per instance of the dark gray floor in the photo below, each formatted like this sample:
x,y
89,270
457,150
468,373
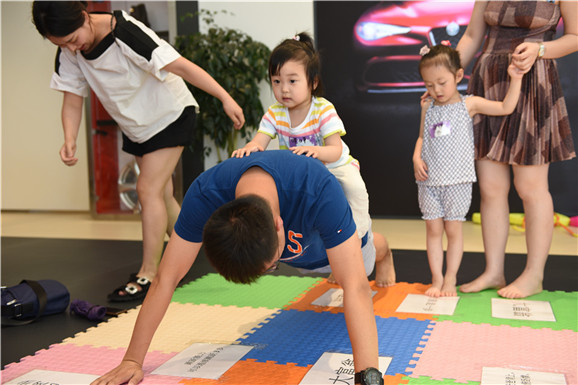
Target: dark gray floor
x,y
90,269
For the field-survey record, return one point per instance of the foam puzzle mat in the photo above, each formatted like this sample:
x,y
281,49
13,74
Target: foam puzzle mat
x,y
288,334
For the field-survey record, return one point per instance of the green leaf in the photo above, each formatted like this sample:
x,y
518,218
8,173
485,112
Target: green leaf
x,y
239,64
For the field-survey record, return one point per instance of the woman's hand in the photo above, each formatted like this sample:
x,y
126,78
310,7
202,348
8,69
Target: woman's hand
x,y
525,56
67,152
234,112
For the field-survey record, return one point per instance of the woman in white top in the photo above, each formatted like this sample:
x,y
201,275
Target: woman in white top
x,y
138,78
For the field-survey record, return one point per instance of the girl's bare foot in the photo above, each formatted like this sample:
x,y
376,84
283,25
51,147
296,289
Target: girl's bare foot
x,y
385,271
435,288
524,286
483,282
331,279
449,287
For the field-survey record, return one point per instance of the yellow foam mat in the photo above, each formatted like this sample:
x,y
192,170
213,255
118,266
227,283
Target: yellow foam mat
x,y
183,325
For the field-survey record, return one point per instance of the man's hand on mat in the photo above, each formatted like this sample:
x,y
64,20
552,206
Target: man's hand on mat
x,y
128,372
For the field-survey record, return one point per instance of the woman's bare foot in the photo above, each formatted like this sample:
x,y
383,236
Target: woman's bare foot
x,y
524,286
483,282
385,271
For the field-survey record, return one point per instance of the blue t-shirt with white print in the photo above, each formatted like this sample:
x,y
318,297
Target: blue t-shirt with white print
x,y
315,212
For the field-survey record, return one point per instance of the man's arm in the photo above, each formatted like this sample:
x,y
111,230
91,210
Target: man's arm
x,y
176,261
347,267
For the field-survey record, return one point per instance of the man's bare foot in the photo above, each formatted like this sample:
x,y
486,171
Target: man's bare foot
x,y
524,286
483,282
385,271
449,287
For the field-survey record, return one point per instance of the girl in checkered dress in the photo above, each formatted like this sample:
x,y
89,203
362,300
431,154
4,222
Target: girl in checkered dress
x,y
444,157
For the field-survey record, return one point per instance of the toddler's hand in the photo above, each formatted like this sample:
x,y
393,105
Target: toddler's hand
x,y
423,98
515,72
420,170
309,151
249,148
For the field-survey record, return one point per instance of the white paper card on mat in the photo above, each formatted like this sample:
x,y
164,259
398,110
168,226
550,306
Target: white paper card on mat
x,y
203,361
505,376
337,368
52,378
333,297
423,304
522,310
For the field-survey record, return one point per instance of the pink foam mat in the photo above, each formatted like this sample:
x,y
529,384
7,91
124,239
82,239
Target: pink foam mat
x,y
87,360
459,351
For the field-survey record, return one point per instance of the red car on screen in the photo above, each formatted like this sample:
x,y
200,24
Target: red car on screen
x,y
388,38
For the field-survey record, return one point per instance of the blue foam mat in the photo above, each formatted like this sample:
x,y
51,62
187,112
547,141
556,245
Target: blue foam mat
x,y
301,337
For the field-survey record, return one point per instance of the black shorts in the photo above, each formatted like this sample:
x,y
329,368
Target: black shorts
x,y
178,133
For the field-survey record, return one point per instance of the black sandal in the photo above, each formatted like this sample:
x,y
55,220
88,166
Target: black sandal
x,y
130,292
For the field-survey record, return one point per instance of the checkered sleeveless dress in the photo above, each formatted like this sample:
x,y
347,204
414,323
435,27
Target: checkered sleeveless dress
x,y
448,145
538,131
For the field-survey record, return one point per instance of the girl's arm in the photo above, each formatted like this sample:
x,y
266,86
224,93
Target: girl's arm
x,y
419,166
328,153
71,116
474,35
199,78
479,105
526,53
258,143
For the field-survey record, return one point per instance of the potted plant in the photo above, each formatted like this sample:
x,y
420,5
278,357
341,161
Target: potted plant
x,y
236,62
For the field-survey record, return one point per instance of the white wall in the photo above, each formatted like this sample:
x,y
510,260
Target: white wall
x,y
33,177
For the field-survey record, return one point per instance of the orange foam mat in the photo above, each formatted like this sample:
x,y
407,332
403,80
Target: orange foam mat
x,y
182,325
250,372
385,302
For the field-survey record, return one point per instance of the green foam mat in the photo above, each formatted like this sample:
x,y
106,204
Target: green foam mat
x,y
477,309
269,291
428,381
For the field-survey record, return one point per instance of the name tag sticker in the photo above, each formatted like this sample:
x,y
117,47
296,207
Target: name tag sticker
x,y
440,129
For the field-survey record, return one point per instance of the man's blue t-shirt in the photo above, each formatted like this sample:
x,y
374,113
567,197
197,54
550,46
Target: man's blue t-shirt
x,y
315,212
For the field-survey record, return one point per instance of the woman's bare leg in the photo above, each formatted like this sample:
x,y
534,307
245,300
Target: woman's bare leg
x,y
494,181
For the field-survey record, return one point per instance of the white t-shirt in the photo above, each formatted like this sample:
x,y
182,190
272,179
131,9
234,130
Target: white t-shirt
x,y
125,72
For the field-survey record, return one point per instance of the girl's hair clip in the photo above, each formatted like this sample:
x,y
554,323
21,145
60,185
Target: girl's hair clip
x,y
296,37
424,50
447,43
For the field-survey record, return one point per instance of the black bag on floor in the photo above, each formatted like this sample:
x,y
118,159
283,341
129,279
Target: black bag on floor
x,y
24,303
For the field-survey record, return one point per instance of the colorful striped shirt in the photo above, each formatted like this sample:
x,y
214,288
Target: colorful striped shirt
x,y
321,122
